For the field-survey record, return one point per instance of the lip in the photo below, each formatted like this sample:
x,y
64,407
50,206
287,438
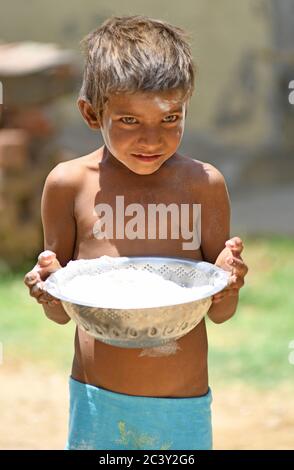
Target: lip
x,y
146,158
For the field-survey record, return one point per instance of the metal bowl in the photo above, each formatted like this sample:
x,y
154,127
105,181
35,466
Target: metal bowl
x,y
140,327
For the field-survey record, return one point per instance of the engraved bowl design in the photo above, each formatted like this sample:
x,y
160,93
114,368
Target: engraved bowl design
x,y
140,327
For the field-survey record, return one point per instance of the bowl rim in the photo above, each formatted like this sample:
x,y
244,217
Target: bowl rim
x,y
121,261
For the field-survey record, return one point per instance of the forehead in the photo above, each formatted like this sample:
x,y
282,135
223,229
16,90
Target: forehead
x,y
146,101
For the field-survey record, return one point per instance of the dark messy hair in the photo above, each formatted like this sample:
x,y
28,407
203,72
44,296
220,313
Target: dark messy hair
x,y
135,53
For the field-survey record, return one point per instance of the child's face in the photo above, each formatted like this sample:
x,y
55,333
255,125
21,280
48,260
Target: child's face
x,y
144,129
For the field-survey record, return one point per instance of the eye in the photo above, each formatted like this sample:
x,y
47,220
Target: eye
x,y
128,120
171,118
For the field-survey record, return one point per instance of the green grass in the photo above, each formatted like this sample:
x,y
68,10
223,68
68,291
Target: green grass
x,y
252,347
25,332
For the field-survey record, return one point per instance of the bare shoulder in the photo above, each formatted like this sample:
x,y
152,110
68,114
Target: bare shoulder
x,y
67,173
202,173
212,176
71,173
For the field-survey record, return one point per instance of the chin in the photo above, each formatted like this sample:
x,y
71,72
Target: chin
x,y
144,171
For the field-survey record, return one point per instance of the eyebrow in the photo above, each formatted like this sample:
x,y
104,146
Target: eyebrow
x,y
122,112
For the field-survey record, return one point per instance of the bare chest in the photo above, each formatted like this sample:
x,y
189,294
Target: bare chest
x,y
135,218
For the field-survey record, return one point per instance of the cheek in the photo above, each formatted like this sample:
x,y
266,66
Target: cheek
x,y
177,133
121,138
182,123
181,128
114,136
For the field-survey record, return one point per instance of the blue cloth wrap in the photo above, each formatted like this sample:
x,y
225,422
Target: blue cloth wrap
x,y
104,420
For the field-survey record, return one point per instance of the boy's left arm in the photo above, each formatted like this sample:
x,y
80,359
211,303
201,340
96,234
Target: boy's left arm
x,y
218,248
224,303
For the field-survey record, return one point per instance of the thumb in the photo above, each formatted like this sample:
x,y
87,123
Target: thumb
x,y
47,264
46,257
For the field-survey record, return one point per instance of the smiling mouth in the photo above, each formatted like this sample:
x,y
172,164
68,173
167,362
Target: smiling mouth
x,y
145,157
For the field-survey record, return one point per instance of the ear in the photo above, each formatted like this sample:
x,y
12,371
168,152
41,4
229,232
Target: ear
x,y
89,114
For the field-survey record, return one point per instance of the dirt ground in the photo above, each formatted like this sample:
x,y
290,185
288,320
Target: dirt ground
x,y
34,408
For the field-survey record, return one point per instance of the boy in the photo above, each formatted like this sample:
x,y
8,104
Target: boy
x,y
138,79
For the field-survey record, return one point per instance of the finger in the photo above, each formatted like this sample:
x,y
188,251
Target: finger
x,y
236,282
36,290
232,280
235,244
44,299
31,278
46,257
53,303
240,269
48,297
235,251
230,262
41,300
48,267
238,265
235,241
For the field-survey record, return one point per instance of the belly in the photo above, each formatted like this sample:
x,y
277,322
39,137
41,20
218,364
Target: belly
x,y
182,374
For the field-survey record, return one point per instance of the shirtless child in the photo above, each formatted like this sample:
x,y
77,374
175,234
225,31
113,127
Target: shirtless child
x,y
138,79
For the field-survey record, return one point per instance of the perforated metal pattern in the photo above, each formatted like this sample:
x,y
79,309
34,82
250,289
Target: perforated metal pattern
x,y
144,327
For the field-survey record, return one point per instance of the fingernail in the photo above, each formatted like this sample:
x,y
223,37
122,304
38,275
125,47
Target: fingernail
x,y
229,260
46,254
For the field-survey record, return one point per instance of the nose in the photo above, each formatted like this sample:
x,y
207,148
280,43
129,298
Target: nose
x,y
150,137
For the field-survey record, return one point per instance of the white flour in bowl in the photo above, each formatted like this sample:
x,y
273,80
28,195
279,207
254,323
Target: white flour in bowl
x,y
130,288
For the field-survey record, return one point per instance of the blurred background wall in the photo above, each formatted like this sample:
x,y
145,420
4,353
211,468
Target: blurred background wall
x,y
240,118
223,34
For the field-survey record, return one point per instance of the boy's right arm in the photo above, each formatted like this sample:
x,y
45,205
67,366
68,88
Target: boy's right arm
x,y
57,211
